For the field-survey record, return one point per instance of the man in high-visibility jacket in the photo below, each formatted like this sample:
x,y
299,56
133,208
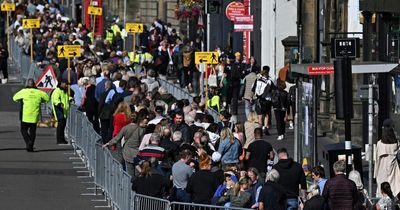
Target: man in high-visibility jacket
x,y
60,102
30,99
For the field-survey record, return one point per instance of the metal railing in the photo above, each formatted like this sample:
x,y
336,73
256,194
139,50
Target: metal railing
x,y
108,174
180,93
23,63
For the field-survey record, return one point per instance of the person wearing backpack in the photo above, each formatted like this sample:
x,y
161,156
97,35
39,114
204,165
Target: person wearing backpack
x,y
280,103
262,88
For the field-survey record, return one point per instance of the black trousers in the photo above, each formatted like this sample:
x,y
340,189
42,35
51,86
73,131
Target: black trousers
x,y
280,121
105,130
235,89
28,131
4,68
94,119
60,130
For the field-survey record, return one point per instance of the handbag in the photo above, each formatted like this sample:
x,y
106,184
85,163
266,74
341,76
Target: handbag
x,y
212,79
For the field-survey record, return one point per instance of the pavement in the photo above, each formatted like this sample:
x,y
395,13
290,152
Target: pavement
x,y
45,179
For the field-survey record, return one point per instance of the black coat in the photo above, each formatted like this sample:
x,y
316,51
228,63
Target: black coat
x,y
105,110
90,104
153,185
315,203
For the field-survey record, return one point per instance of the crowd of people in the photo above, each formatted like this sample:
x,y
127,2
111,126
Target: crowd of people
x,y
174,148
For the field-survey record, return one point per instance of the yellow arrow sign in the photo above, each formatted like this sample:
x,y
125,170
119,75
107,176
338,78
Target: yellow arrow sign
x,y
206,57
30,23
134,27
7,7
69,51
95,10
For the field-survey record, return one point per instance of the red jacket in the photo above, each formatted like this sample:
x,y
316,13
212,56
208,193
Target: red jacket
x,y
119,121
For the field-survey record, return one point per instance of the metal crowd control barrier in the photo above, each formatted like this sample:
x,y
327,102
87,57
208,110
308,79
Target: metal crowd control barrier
x,y
23,63
194,206
143,202
179,94
108,173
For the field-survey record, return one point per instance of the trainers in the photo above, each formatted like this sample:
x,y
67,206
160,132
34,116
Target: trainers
x,y
291,127
30,150
280,138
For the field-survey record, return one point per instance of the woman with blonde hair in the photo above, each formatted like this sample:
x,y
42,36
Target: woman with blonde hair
x,y
249,126
363,201
229,148
238,195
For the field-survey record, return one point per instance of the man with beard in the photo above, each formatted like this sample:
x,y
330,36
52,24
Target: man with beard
x,y
60,103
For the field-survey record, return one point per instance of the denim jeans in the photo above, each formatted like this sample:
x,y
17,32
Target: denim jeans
x,y
248,107
182,196
292,204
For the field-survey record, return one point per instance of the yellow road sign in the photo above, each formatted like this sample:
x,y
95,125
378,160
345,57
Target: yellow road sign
x,y
95,10
31,23
69,51
7,7
206,57
134,27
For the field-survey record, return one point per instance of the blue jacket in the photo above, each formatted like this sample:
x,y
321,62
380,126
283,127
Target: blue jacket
x,y
229,154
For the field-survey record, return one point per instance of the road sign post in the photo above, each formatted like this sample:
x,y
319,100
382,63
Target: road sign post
x,y
69,76
8,32
134,28
69,51
206,58
206,81
31,23
94,11
31,41
8,7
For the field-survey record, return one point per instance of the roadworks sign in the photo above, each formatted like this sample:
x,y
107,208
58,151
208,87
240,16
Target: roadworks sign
x,y
5,7
134,27
206,57
47,81
30,23
69,51
95,10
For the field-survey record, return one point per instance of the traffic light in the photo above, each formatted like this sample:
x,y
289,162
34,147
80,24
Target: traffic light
x,y
213,6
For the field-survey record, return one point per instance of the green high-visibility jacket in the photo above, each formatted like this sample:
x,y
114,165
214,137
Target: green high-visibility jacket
x,y
109,36
59,97
214,102
30,99
115,28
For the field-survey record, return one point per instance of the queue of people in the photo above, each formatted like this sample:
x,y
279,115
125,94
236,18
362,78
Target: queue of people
x,y
174,148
